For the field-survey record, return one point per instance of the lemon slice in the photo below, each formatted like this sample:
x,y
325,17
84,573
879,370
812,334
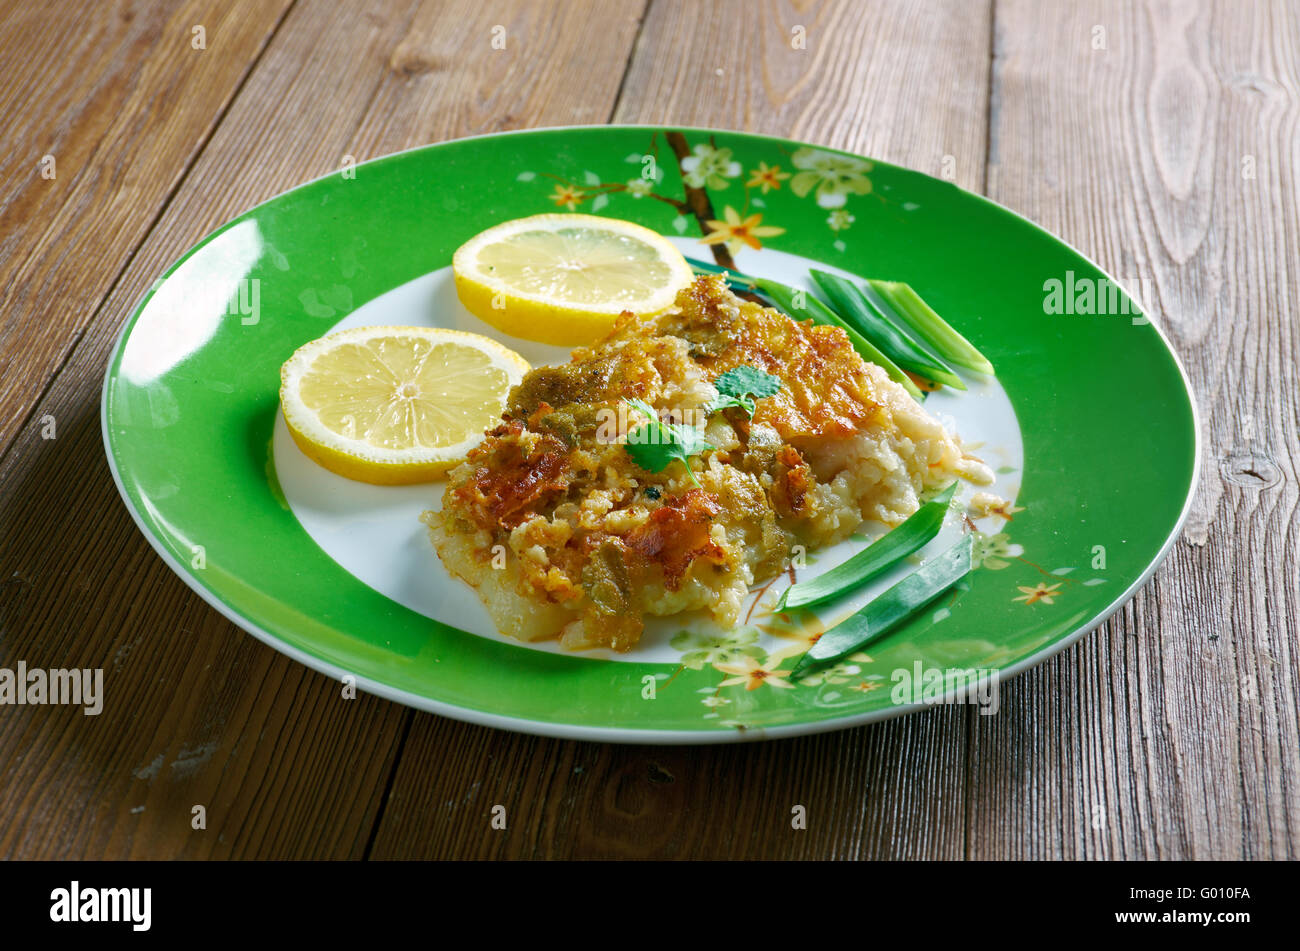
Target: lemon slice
x,y
563,279
395,405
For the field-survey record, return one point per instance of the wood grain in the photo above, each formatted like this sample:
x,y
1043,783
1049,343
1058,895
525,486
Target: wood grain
x,y
96,90
1167,155
895,790
872,793
446,79
865,76
198,712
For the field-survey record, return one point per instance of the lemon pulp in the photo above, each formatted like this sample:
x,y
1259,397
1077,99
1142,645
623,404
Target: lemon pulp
x,y
564,279
395,404
579,265
404,393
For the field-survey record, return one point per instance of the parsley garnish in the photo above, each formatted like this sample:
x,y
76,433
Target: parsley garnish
x,y
654,444
740,385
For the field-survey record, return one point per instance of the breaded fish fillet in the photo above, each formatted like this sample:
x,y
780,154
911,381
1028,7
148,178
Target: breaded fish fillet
x,y
587,543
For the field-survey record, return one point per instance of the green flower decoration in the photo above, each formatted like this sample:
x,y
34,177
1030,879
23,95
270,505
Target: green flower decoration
x,y
834,177
838,674
700,650
990,550
839,219
709,167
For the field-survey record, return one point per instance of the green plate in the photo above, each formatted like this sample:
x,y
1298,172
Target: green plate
x,y
1090,425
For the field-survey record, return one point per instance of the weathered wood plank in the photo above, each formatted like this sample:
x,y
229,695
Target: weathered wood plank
x,y
1160,139
196,711
890,791
104,108
864,76
871,793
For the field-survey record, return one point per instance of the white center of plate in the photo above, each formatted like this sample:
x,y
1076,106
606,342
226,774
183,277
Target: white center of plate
x,y
374,532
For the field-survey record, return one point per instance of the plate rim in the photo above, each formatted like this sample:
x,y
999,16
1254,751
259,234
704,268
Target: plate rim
x,y
620,734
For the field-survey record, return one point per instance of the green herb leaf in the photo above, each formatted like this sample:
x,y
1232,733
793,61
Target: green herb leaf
x,y
745,379
655,444
739,385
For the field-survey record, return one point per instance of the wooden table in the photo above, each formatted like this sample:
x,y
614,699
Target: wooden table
x,y
1160,138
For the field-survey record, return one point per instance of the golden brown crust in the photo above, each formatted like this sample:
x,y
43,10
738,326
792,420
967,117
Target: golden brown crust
x,y
514,478
825,392
592,532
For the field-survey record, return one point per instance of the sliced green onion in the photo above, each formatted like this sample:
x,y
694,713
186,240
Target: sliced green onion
x,y
920,318
813,308
854,306
891,608
783,296
873,560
